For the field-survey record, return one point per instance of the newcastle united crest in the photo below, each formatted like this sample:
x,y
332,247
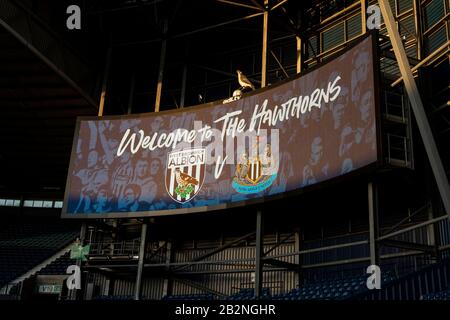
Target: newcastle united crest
x,y
255,174
185,173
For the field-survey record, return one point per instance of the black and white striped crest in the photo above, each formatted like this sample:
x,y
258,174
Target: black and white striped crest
x,y
255,171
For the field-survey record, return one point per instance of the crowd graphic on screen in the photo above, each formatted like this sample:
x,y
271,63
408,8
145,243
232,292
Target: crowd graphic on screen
x,y
325,142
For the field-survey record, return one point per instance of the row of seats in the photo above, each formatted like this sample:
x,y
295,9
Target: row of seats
x,y
22,230
114,298
336,289
25,244
249,294
192,297
59,266
441,295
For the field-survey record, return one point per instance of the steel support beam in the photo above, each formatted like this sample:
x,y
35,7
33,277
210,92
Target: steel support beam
x,y
408,218
138,285
373,223
259,263
215,251
278,4
416,226
74,294
434,210
257,4
298,259
279,64
184,34
364,16
279,243
238,4
162,61
432,240
282,264
410,246
442,50
299,53
105,82
418,28
199,286
264,45
417,106
167,287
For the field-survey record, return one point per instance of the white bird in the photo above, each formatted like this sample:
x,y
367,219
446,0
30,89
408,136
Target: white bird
x,y
243,81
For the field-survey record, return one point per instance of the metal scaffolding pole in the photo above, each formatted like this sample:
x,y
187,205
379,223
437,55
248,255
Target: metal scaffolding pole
x,y
373,223
259,219
298,260
264,45
433,210
364,16
105,82
418,28
259,263
162,60
167,286
138,286
299,54
73,295
417,106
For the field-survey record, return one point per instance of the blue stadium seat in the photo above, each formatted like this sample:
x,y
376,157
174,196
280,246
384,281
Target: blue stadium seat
x,y
332,289
191,297
25,244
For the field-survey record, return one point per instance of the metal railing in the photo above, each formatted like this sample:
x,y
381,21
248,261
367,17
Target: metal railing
x,y
128,249
122,248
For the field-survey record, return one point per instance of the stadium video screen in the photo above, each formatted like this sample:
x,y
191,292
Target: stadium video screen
x,y
301,132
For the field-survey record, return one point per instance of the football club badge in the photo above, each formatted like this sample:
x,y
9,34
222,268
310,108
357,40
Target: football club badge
x,y
185,173
255,174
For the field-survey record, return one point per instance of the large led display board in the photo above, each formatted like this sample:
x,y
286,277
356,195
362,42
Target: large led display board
x,y
286,137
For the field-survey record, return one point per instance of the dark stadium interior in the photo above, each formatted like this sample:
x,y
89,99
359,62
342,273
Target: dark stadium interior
x,y
50,75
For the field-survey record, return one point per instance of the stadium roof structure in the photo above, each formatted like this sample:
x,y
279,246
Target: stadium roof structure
x,y
38,109
45,84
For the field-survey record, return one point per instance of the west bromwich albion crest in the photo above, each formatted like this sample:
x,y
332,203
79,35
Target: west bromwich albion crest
x,y
185,173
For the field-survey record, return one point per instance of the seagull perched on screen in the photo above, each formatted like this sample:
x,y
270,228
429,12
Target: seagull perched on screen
x,y
243,81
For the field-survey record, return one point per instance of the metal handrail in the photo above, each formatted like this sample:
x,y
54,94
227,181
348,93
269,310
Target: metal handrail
x,y
115,248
